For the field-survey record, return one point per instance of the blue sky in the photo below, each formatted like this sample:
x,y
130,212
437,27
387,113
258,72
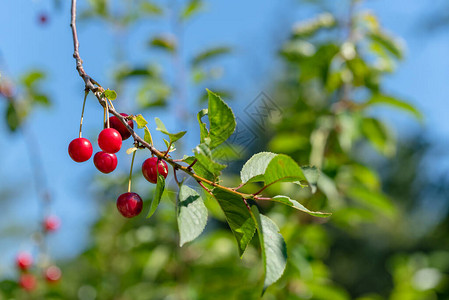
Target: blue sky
x,y
254,28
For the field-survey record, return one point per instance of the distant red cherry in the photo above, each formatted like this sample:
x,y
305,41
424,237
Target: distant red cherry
x,y
80,149
105,162
115,123
149,169
43,18
51,223
28,282
53,274
129,204
24,261
110,140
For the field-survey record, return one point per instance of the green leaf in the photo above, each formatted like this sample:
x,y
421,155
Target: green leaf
x,y
12,117
392,101
389,43
204,156
254,169
312,174
221,120
140,120
31,78
147,136
274,249
110,94
295,204
41,99
283,168
192,7
375,200
209,54
160,186
204,133
238,217
200,169
151,8
379,136
173,136
164,43
192,214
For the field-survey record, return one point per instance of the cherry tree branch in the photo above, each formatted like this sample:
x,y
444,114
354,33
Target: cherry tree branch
x,y
98,92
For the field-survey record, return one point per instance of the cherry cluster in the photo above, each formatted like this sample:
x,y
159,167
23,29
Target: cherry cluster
x,y
24,261
110,142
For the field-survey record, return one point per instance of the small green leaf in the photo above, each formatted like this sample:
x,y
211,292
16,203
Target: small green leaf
x,y
147,136
110,94
192,7
254,169
160,186
221,120
173,136
295,204
379,136
140,120
200,169
164,42
210,54
283,168
151,8
12,117
192,214
274,249
172,146
389,43
238,217
204,156
380,99
204,133
41,99
31,78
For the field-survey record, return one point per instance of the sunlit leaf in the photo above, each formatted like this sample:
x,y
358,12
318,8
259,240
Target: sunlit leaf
x,y
160,186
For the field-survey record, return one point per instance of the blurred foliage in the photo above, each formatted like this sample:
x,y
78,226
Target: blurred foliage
x,y
369,249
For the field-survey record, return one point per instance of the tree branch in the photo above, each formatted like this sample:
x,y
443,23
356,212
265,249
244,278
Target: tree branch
x,y
98,92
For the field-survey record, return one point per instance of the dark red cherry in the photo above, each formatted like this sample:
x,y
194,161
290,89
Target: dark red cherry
x,y
43,18
149,169
80,149
115,123
24,261
52,274
129,204
27,282
110,140
105,162
51,223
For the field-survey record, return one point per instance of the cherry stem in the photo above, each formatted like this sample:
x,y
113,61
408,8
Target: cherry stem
x,y
107,114
175,175
131,172
192,164
82,111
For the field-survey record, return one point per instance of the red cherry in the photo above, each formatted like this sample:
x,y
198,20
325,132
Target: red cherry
x,y
110,140
43,18
115,123
129,204
51,223
149,169
27,282
105,162
52,274
24,261
80,149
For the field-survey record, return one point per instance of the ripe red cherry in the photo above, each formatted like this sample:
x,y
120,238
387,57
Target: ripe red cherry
x,y
80,149
24,261
115,123
52,274
51,223
27,282
105,162
110,140
129,204
149,169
